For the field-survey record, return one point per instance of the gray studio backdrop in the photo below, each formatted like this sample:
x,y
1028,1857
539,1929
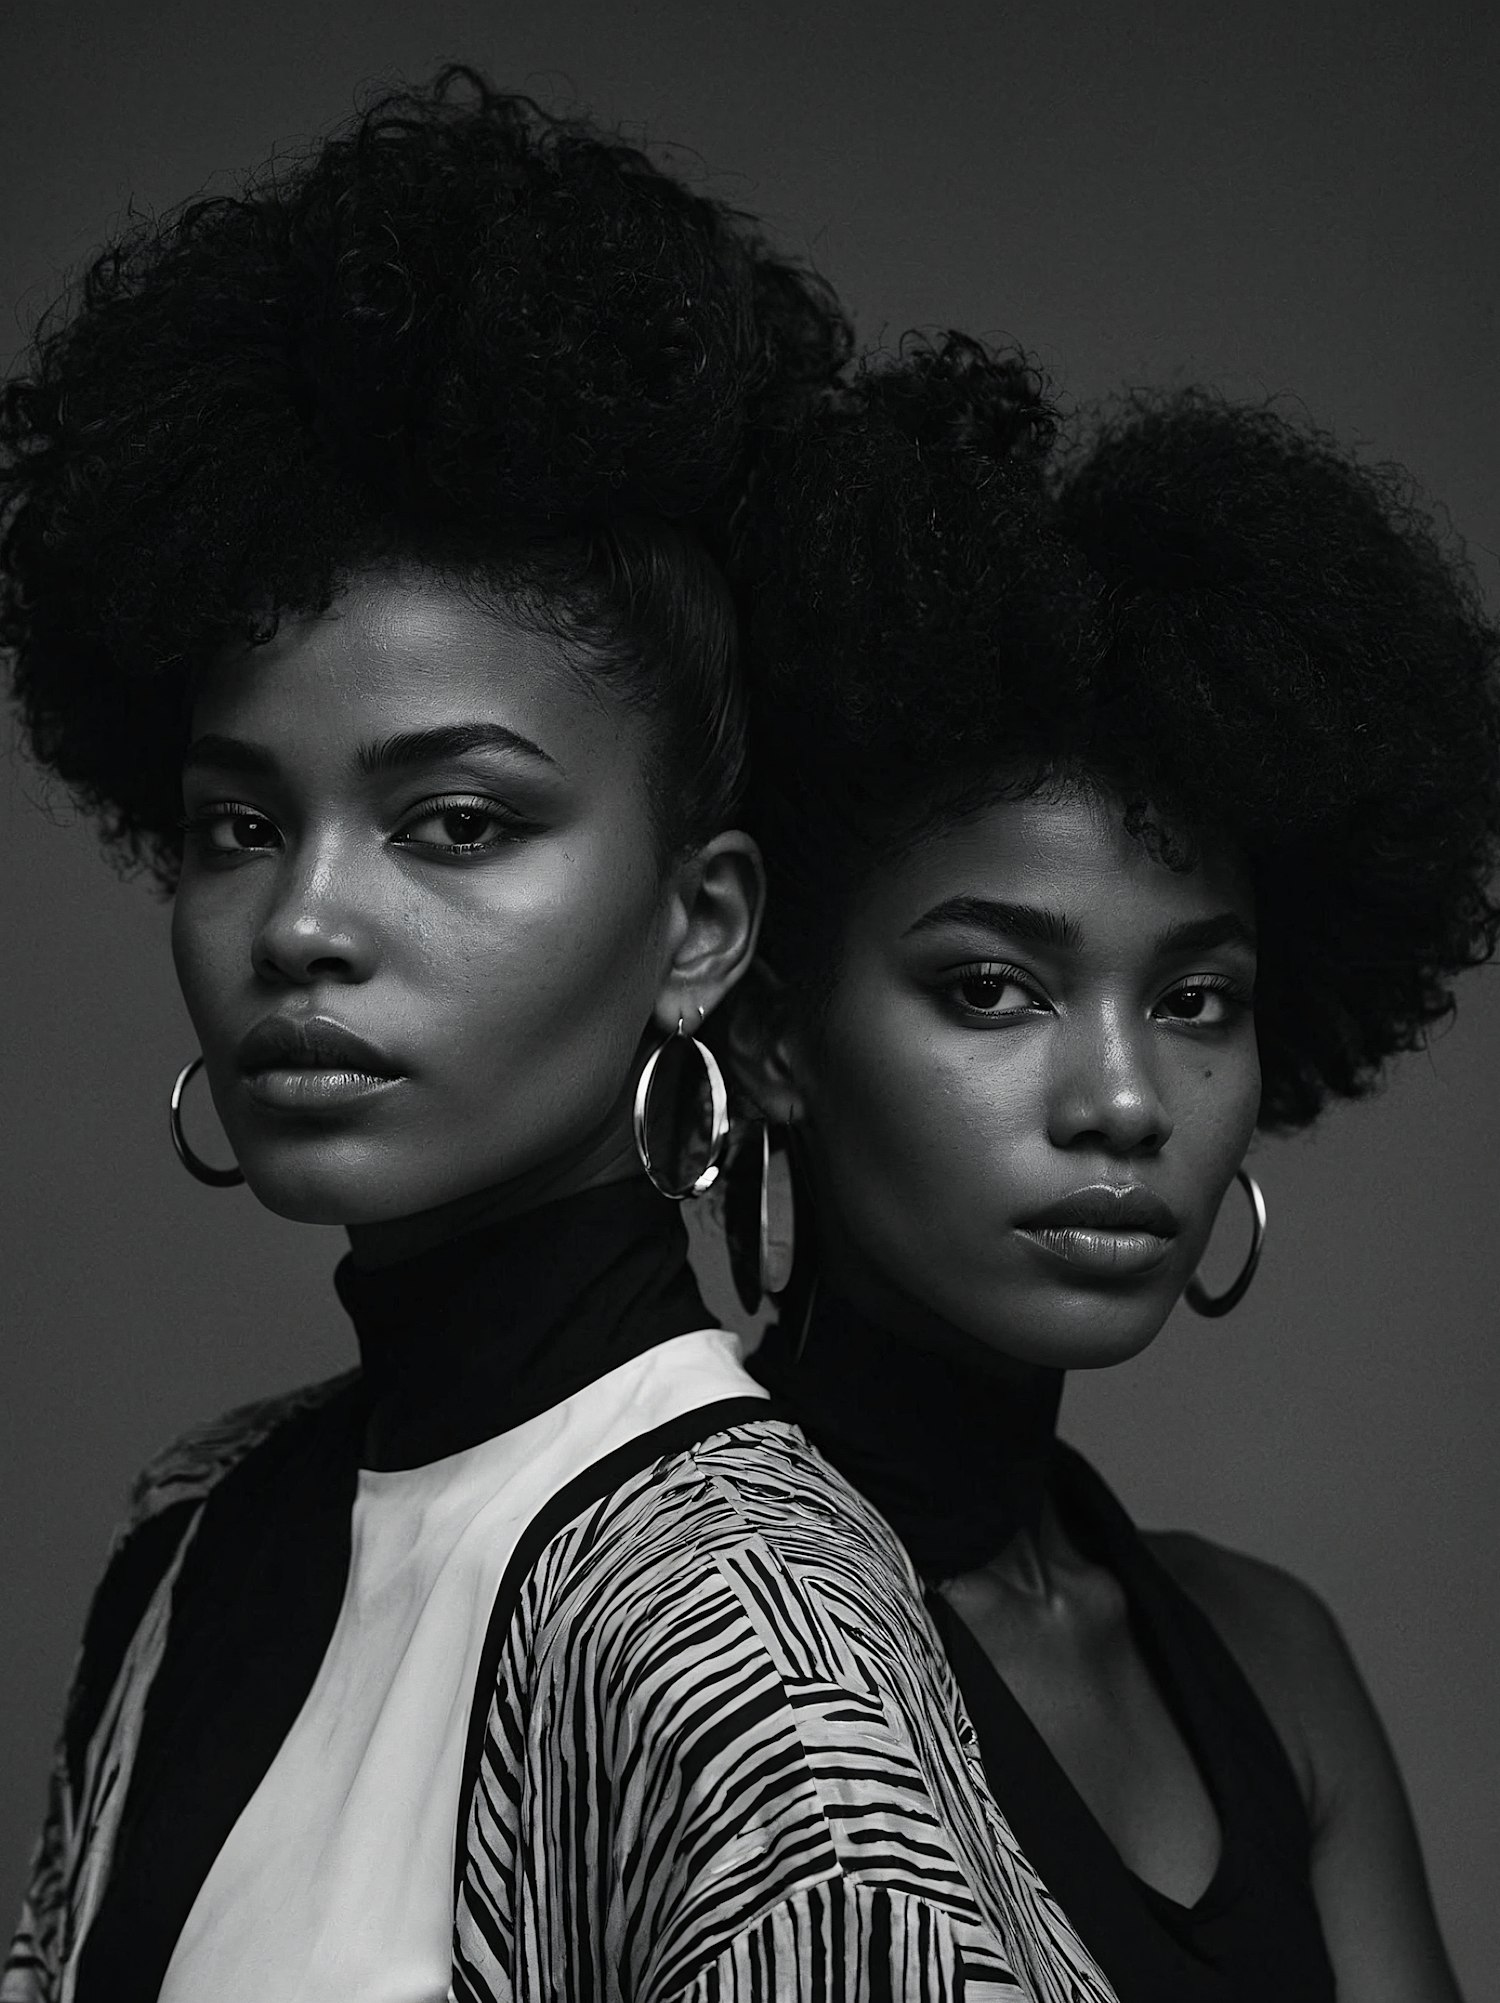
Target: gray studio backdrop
x,y
1282,198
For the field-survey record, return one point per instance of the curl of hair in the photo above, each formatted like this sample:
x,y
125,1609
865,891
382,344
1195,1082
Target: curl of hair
x,y
461,334
1209,611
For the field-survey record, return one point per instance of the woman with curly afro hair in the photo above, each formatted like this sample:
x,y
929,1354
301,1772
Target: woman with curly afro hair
x,y
362,570
1116,802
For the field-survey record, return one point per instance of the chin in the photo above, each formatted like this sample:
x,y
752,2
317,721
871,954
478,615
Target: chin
x,y
1078,1331
334,1182
1100,1349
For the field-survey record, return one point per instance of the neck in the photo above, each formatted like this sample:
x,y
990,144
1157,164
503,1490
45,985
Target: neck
x,y
952,1444
1032,1567
390,1240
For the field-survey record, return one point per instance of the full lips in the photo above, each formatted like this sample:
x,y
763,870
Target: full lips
x,y
313,1089
292,1042
312,1064
1099,1252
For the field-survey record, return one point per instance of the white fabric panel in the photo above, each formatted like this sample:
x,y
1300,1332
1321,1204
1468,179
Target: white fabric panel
x,y
335,1884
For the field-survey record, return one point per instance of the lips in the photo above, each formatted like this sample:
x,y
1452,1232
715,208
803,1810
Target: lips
x,y
310,1043
1107,1206
312,1065
1107,1232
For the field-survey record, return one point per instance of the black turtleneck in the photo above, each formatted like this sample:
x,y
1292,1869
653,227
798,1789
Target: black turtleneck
x,y
959,1458
457,1345
955,1457
481,1333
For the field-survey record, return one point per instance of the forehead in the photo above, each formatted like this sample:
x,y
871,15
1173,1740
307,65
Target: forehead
x,y
401,653
1066,850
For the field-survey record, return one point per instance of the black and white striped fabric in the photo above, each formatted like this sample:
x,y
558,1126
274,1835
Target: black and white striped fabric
x,y
715,1752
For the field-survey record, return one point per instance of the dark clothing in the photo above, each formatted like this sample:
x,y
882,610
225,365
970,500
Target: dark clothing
x,y
958,1458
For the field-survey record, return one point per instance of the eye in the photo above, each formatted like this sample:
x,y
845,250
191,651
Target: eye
x,y
1208,1001
228,828
993,990
461,827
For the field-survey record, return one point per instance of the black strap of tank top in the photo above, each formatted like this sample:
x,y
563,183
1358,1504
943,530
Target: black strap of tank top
x,y
1255,1932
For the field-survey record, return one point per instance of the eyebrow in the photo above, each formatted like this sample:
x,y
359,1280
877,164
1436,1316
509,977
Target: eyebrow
x,y
444,741
1203,935
399,753
1031,922
1040,926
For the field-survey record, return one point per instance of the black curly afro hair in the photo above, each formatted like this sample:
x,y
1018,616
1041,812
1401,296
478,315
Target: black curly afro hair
x,y
460,333
1211,611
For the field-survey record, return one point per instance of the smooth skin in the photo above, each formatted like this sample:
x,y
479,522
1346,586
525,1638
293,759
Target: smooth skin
x,y
1025,1004
431,825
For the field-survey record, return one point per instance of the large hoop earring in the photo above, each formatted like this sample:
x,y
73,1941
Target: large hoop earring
x,y
718,1133
762,1232
216,1178
1199,1299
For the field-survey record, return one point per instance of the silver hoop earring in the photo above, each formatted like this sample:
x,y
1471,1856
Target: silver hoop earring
x,y
1199,1299
718,1133
760,1219
216,1178
807,1316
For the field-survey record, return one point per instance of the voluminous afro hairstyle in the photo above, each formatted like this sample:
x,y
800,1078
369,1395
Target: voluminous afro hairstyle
x,y
460,334
1208,610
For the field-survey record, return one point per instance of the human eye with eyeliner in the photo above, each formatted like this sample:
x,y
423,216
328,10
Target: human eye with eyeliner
x,y
1171,730
228,827
1209,1000
988,987
460,826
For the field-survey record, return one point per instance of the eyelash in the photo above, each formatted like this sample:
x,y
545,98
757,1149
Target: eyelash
x,y
513,826
998,973
1231,992
1002,976
199,826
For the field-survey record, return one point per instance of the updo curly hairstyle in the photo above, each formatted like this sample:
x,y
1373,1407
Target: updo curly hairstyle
x,y
1209,611
459,334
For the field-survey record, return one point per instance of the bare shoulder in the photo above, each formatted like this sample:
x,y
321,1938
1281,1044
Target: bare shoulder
x,y
1286,1641
1255,1605
1367,1871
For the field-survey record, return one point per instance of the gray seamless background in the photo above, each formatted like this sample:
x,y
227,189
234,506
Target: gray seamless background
x,y
1277,198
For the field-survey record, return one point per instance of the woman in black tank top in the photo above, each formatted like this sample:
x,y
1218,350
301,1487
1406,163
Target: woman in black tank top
x,y
1112,810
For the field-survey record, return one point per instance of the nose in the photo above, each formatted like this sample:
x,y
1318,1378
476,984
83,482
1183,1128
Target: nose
x,y
314,928
1105,1090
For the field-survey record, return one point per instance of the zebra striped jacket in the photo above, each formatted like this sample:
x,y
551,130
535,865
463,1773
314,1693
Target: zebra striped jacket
x,y
715,1754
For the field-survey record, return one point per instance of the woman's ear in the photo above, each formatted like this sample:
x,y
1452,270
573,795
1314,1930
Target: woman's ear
x,y
755,1039
716,902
